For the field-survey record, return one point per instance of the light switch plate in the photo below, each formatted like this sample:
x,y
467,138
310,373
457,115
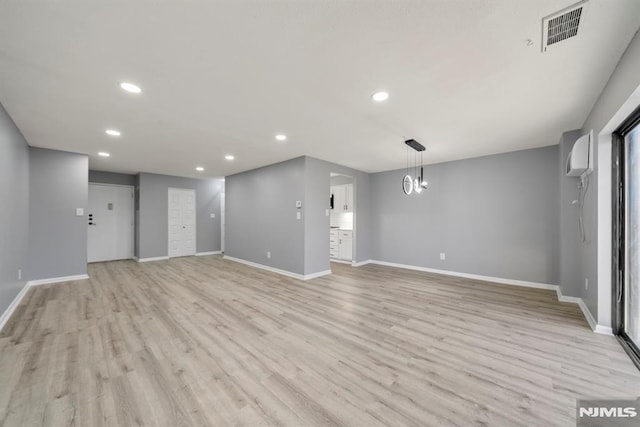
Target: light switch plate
x,y
79,211
212,215
298,215
326,212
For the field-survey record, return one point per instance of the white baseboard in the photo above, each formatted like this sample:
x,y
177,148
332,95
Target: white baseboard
x,y
135,258
208,253
158,258
14,304
315,275
16,301
277,270
340,261
361,263
57,280
469,276
600,329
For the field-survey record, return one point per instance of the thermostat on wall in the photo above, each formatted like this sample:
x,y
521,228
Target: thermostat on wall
x,y
298,204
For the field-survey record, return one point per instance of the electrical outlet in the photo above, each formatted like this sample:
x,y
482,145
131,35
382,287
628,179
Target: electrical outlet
x,y
442,256
586,283
19,274
268,254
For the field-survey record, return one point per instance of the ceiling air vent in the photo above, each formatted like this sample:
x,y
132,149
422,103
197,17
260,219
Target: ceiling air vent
x,y
562,25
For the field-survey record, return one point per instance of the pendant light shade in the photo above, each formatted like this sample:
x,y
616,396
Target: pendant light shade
x,y
417,184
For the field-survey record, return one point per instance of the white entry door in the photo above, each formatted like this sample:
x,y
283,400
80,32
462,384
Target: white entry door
x,y
110,223
182,222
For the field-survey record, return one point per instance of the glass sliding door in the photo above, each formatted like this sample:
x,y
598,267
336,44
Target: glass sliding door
x,y
626,235
631,285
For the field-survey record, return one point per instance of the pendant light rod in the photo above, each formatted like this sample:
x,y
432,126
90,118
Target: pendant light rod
x,y
414,144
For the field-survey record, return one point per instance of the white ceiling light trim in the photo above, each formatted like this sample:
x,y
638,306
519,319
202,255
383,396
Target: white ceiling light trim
x,y
199,168
281,137
380,96
130,87
229,157
112,132
103,154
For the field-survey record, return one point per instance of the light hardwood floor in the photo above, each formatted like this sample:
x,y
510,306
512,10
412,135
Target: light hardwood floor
x,y
205,341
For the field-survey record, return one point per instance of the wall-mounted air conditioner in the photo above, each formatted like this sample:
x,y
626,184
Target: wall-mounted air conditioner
x,y
580,158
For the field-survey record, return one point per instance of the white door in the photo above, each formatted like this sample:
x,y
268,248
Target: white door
x,y
182,222
110,223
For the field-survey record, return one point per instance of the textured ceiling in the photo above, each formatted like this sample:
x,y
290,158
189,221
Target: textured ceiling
x,y
223,77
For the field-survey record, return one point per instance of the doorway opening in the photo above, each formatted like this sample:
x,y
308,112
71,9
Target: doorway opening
x,y
342,238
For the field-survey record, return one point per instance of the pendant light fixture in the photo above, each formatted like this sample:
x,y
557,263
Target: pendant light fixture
x,y
417,184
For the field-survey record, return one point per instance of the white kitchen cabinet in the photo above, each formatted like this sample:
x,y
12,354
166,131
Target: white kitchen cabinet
x,y
342,198
334,243
345,243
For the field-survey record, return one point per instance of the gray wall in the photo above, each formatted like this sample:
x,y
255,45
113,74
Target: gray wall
x,y
622,83
101,177
571,280
14,213
260,215
494,216
58,184
151,235
317,182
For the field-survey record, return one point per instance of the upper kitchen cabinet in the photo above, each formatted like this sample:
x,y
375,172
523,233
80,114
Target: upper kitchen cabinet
x,y
342,198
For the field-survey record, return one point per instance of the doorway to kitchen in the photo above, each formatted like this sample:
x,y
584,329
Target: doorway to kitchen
x,y
342,207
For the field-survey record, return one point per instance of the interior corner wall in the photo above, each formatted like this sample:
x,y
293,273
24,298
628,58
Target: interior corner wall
x,y
260,215
14,210
58,185
624,81
493,216
152,213
570,280
316,240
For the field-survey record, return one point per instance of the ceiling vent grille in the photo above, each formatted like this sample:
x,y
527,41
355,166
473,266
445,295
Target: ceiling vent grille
x,y
562,25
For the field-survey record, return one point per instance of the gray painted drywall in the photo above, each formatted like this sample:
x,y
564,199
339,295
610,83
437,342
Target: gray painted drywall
x,y
151,236
317,182
622,83
260,215
101,177
14,213
495,216
58,184
570,279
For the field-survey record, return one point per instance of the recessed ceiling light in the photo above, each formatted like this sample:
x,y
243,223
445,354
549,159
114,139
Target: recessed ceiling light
x,y
380,96
103,154
229,157
281,137
199,168
112,132
130,87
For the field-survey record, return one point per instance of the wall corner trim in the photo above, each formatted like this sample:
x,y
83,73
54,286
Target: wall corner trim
x,y
4,318
158,258
277,270
208,253
361,263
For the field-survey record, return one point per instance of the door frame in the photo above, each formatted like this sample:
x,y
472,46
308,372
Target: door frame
x,y
618,234
133,213
195,222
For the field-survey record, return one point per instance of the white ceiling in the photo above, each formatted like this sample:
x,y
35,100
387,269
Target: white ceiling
x,y
224,77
